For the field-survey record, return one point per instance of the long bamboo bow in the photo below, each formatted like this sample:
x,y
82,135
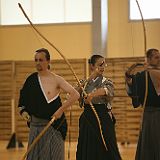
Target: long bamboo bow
x,y
144,37
144,27
52,120
145,50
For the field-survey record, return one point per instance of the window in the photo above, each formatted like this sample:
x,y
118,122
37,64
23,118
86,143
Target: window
x,y
45,11
150,9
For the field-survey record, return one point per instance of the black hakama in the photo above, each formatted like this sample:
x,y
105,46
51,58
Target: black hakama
x,y
90,145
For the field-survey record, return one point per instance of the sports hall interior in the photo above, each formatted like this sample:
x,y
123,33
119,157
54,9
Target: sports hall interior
x,y
120,40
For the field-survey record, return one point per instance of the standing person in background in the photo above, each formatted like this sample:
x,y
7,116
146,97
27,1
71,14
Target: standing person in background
x,y
100,92
39,101
144,89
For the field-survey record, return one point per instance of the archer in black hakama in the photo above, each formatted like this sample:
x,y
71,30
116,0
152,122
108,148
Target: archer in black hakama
x,y
90,145
148,147
33,101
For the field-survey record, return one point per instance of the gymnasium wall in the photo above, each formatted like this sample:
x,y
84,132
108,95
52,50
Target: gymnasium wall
x,y
14,73
125,38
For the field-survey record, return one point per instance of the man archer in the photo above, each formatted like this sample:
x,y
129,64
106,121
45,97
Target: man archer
x,y
40,101
144,89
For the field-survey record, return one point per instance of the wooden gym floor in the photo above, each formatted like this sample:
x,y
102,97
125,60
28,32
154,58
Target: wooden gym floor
x,y
127,151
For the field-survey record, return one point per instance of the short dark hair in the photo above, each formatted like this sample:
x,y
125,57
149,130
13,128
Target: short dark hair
x,y
47,55
150,52
94,59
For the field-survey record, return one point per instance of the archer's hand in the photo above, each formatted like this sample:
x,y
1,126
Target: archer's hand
x,y
58,113
88,98
133,66
26,116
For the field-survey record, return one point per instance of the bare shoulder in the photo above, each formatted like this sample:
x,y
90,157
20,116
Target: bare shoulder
x,y
60,80
56,76
53,74
63,84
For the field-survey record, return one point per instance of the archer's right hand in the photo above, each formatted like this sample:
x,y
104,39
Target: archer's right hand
x,y
26,116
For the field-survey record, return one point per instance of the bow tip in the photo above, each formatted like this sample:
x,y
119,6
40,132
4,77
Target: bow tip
x,y
19,4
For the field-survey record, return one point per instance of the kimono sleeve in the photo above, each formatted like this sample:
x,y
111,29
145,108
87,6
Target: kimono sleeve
x,y
23,97
134,90
108,84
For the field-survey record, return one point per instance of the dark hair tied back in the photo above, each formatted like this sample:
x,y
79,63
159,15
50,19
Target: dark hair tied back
x,y
94,59
47,55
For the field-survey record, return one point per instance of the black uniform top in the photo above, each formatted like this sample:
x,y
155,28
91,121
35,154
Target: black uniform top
x,y
33,101
137,91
